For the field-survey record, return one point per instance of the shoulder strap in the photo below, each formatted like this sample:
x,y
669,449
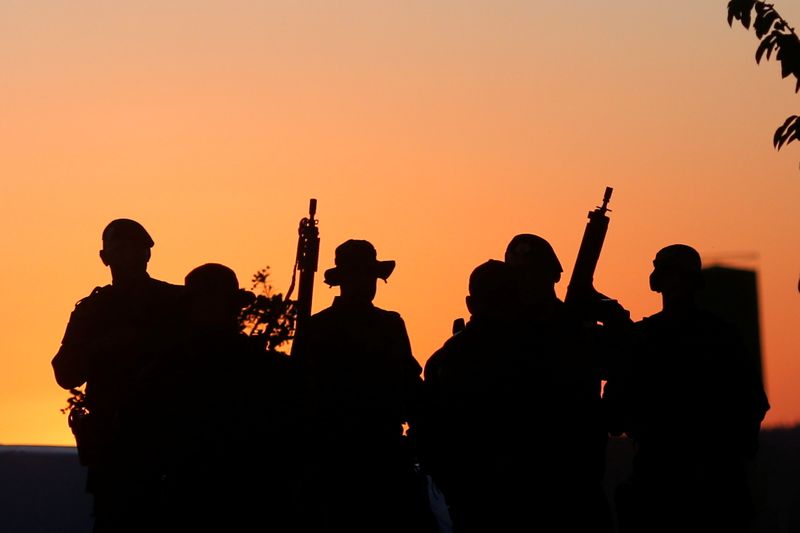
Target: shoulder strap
x,y
95,292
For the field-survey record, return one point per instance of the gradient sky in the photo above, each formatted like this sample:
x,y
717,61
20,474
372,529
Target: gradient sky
x,y
436,130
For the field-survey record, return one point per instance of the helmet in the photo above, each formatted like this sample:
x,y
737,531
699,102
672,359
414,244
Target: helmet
x,y
528,250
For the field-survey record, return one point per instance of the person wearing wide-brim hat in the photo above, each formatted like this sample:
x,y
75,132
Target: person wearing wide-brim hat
x,y
361,383
357,259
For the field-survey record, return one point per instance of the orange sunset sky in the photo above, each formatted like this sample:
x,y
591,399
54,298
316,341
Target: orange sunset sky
x,y
436,130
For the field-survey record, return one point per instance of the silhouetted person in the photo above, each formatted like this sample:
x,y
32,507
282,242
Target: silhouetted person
x,y
231,443
474,431
564,362
112,337
361,386
693,405
514,431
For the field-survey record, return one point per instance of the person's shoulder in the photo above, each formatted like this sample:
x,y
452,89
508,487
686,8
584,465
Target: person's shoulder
x,y
96,297
387,315
433,366
648,327
650,320
455,343
95,294
165,285
165,289
372,312
320,325
321,317
462,348
322,314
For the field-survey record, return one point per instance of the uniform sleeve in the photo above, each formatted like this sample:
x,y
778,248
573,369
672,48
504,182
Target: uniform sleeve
x,y
413,367
411,379
71,362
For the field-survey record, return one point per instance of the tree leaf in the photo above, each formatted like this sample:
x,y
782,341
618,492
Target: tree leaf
x,y
766,45
741,11
764,22
795,133
773,46
789,54
785,133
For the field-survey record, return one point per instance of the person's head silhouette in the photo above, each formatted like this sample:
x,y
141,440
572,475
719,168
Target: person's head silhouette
x,y
536,268
677,273
126,249
491,290
213,296
357,270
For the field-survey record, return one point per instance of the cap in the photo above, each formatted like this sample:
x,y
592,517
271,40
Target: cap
x,y
527,249
127,230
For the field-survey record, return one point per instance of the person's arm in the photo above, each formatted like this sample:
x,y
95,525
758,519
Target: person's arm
x,y
71,362
88,340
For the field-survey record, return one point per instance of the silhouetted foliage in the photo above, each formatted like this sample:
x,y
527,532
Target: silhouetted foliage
x,y
269,315
76,401
776,37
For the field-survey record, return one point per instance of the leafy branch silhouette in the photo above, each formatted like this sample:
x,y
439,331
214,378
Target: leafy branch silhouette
x,y
268,316
76,402
778,38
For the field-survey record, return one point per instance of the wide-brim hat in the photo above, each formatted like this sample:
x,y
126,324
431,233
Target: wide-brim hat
x,y
357,258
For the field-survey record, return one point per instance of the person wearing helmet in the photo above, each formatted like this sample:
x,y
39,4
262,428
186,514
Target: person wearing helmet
x,y
112,337
560,367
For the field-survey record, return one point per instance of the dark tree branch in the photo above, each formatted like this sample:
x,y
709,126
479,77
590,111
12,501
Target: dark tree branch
x,y
777,38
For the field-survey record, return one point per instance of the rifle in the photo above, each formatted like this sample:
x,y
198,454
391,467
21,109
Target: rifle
x,y
580,291
306,262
